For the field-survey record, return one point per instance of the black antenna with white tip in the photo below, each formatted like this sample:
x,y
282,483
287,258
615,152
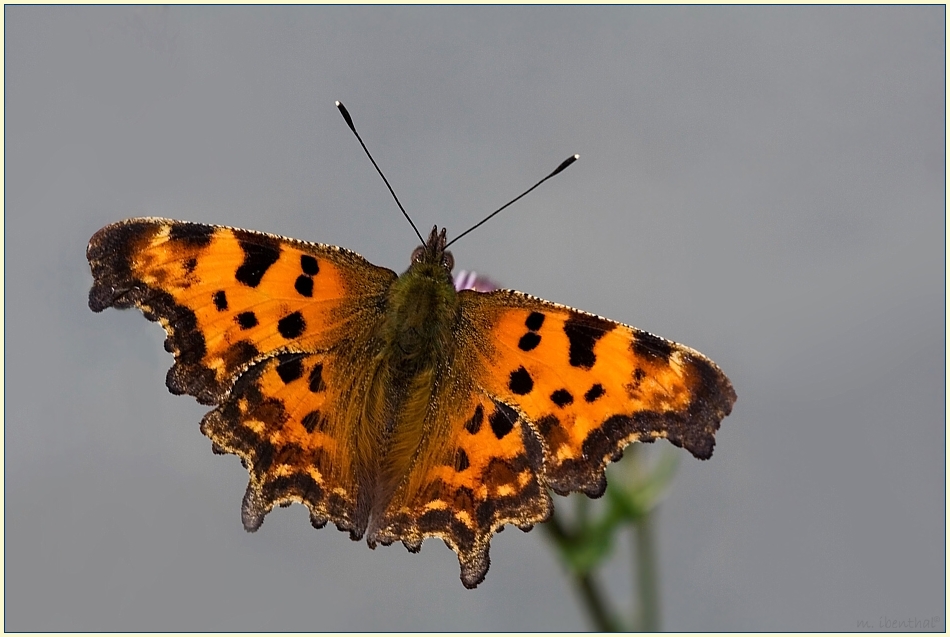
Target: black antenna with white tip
x,y
564,164
349,122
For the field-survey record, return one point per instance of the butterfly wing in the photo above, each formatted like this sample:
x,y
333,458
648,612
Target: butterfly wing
x,y
541,395
229,297
268,329
479,471
590,386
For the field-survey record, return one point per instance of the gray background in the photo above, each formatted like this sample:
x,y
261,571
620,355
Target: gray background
x,y
765,184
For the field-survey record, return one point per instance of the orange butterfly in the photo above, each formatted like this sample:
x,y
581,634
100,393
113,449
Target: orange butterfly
x,y
397,407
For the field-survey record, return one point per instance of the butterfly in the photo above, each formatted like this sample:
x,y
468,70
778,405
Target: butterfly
x,y
399,407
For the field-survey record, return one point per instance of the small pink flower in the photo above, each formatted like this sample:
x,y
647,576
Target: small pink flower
x,y
466,280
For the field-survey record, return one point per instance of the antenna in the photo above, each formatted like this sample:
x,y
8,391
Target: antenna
x,y
349,122
564,164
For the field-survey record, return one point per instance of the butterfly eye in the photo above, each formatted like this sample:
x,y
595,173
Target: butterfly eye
x,y
448,261
417,254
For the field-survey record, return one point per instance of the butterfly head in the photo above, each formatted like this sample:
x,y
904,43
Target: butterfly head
x,y
433,253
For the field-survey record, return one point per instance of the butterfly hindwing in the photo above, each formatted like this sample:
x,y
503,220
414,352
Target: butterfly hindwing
x,y
483,473
282,419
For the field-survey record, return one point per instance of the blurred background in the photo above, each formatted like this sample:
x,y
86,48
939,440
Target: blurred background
x,y
764,184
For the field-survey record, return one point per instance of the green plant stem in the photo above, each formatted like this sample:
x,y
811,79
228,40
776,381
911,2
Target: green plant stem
x,y
585,541
647,585
587,587
594,603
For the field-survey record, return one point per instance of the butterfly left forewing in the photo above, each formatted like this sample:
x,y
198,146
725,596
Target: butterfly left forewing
x,y
229,297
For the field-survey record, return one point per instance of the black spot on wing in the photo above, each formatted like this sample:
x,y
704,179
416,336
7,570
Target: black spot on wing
x,y
595,392
292,325
304,285
520,382
309,265
533,448
239,354
582,333
189,265
246,320
646,344
461,460
534,321
311,421
290,370
316,379
562,398
193,234
528,342
502,420
260,253
220,300
475,422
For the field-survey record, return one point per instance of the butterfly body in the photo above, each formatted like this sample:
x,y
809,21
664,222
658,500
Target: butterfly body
x,y
415,345
397,407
